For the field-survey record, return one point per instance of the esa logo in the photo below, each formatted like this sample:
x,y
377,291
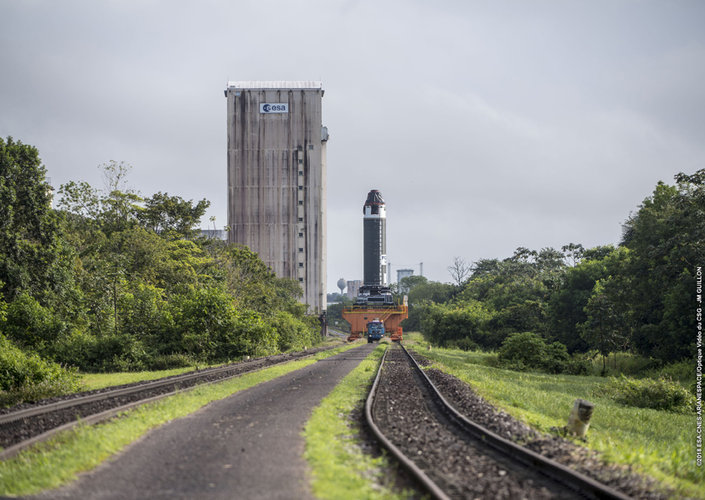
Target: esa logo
x,y
273,108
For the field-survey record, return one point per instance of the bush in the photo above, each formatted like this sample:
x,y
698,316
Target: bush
x,y
529,351
578,364
463,344
208,327
625,363
29,324
143,311
522,351
169,361
27,377
104,353
556,358
680,371
293,333
658,394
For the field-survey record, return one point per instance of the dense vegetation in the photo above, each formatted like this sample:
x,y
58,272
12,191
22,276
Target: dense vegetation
x,y
113,281
638,297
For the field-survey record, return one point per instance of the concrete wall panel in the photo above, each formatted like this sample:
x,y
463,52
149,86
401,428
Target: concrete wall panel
x,y
264,185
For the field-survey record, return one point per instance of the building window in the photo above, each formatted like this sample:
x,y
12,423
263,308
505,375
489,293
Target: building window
x,y
301,235
301,264
301,249
301,219
301,188
301,202
301,280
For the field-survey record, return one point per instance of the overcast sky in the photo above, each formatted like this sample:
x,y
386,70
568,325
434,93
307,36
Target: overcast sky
x,y
485,125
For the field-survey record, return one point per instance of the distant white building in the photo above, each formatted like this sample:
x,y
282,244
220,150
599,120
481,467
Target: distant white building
x,y
353,289
401,274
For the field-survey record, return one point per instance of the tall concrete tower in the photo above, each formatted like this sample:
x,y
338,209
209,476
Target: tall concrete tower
x,y
277,179
374,240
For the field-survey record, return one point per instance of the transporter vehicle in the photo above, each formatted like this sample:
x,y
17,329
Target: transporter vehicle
x,y
376,303
375,330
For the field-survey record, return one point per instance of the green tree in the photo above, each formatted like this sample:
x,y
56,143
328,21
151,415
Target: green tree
x,y
113,282
28,227
120,204
667,241
607,326
517,289
458,325
420,292
566,305
573,253
172,215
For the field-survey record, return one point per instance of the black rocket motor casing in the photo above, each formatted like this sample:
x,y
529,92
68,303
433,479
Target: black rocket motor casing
x,y
374,240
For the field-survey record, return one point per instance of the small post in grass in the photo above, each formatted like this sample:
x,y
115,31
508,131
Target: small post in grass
x,y
579,418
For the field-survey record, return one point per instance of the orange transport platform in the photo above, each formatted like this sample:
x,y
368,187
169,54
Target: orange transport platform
x,y
358,316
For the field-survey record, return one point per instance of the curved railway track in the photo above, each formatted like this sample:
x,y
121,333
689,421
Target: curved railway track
x,y
23,427
452,457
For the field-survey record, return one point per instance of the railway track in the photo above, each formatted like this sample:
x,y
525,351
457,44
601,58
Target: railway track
x,y
452,457
23,427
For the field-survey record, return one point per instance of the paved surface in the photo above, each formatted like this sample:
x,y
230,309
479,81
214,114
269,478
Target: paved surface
x,y
248,445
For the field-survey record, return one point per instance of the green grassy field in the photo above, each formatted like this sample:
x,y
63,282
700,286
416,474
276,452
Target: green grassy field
x,y
340,468
658,443
58,461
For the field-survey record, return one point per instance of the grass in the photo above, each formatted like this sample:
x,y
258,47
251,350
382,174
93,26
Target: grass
x,y
93,381
56,462
340,468
658,443
633,365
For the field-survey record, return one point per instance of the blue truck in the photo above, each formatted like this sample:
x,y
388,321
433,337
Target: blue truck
x,y
375,330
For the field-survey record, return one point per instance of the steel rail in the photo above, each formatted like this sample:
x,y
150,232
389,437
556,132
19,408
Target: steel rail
x,y
410,466
125,391
95,418
132,389
99,396
558,472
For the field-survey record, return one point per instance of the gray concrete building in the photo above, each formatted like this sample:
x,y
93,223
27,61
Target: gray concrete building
x,y
277,179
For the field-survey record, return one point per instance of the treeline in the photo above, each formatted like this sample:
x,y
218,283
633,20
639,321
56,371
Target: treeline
x,y
110,280
638,297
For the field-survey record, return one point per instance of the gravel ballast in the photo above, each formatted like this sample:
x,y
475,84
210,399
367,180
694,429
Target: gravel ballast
x,y
458,464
